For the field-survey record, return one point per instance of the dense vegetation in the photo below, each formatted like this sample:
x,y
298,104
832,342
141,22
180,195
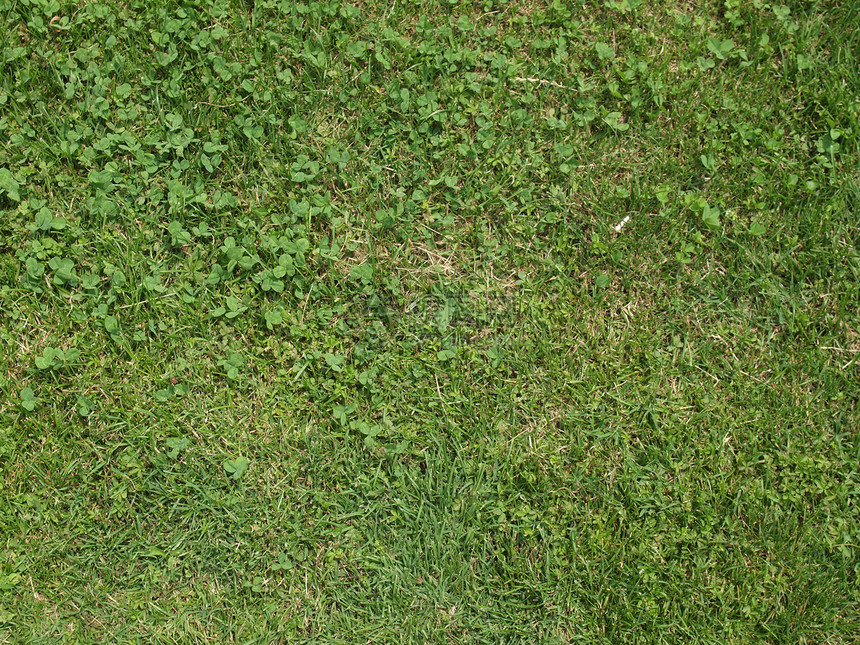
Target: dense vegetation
x,y
432,322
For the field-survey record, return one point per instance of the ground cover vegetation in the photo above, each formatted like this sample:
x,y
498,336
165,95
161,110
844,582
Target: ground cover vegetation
x,y
438,322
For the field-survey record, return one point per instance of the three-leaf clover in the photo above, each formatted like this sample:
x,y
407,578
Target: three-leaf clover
x,y
64,271
613,120
711,217
84,406
45,221
8,185
153,283
165,394
335,361
112,328
232,364
176,445
29,401
720,48
232,308
343,412
53,358
446,354
236,467
363,272
604,51
357,49
757,229
275,317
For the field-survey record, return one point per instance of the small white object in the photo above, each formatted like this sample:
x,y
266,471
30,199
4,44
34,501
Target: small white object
x,y
621,224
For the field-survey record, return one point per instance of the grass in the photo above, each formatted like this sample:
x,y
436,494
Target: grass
x,y
317,325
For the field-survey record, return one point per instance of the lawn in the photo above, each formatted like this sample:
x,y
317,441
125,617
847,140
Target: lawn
x,y
349,321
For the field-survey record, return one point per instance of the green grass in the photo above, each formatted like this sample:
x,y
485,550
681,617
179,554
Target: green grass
x,y
315,325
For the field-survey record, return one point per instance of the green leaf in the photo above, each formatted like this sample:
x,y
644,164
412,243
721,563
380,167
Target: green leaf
x,y
100,178
28,399
564,150
367,376
166,58
159,38
382,60
111,324
711,217
252,131
342,412
357,49
236,359
335,361
218,272
273,318
720,48
112,327
298,124
84,406
234,307
8,185
43,219
176,445
601,280
604,51
232,364
446,354
613,120
757,229
236,468
90,281
363,272
46,360
178,235
35,269
366,429
705,63
284,563
64,271
782,12
153,283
